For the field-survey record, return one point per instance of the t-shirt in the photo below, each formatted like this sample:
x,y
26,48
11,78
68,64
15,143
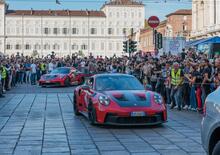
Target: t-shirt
x,y
199,78
33,68
50,66
82,64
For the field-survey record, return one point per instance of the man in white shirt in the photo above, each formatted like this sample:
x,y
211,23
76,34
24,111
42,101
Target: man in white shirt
x,y
33,73
51,66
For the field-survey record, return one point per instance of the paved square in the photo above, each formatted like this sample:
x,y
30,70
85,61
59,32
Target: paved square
x,y
35,121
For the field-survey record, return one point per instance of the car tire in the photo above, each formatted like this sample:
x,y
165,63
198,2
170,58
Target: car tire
x,y
67,82
75,107
91,114
216,150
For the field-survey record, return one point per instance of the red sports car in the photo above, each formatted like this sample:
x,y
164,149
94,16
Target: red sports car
x,y
118,99
63,76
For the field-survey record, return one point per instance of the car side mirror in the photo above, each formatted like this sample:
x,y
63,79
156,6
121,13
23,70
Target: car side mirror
x,y
85,87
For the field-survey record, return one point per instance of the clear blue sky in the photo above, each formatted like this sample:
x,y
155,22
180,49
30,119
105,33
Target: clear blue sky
x,y
153,7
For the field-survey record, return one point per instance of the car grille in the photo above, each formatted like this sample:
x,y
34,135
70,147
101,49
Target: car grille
x,y
112,118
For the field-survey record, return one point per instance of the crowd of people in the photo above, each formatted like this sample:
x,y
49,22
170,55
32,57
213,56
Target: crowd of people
x,y
183,80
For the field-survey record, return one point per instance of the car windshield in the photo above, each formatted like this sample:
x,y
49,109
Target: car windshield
x,y
117,83
61,71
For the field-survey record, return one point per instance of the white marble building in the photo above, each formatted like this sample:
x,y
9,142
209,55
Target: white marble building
x,y
205,18
68,31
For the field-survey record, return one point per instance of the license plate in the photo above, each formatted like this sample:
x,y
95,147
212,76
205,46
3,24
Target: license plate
x,y
47,81
138,114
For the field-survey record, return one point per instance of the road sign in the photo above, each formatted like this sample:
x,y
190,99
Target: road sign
x,y
153,21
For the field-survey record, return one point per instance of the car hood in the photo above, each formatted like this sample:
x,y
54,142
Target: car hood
x,y
52,76
130,98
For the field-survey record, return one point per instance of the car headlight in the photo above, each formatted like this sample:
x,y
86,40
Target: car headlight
x,y
104,100
158,99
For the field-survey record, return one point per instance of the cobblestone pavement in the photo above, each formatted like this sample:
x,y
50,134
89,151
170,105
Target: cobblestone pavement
x,y
36,120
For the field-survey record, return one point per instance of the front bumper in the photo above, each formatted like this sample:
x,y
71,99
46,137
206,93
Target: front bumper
x,y
51,83
113,119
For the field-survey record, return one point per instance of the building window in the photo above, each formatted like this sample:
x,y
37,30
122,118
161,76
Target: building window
x,y
74,31
124,31
64,30
118,14
110,14
93,31
110,46
46,46
8,46
65,46
74,47
83,47
118,46
102,46
17,30
17,47
46,30
55,30
8,30
140,14
37,47
27,47
110,31
93,46
56,47
132,14
27,30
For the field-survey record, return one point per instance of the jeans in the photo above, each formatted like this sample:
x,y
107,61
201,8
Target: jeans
x,y
179,96
33,78
168,100
20,77
186,94
172,93
176,95
28,77
193,102
3,84
9,81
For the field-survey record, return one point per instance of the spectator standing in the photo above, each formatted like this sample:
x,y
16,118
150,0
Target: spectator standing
x,y
186,85
27,67
1,88
176,86
33,73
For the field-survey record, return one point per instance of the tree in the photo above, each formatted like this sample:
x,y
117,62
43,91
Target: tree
x,y
34,53
80,53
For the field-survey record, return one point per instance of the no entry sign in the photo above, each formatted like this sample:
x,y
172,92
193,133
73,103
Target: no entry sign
x,y
153,21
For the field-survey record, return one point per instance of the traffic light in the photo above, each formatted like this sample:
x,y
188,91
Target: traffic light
x,y
129,46
125,46
159,41
133,46
158,37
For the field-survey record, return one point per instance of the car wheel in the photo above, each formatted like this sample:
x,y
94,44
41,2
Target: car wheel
x,y
67,82
75,107
216,150
91,114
